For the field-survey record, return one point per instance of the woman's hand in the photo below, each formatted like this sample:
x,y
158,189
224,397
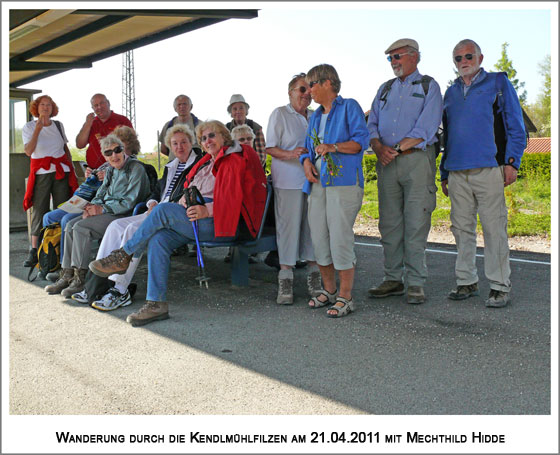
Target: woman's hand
x,y
295,153
88,172
183,201
151,204
197,212
323,149
311,173
92,210
100,175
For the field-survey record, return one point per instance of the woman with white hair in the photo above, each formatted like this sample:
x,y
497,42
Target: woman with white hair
x,y
114,289
125,184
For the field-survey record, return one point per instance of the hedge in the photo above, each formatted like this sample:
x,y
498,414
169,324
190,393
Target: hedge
x,y
532,164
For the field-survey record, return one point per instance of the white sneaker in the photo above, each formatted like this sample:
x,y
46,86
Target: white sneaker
x,y
80,297
112,300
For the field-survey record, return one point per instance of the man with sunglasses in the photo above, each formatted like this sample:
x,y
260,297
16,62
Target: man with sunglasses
x,y
476,166
403,122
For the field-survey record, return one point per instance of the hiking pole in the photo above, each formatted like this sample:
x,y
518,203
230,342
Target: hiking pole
x,y
193,197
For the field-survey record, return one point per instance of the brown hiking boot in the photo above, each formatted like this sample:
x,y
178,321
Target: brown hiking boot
x,y
150,312
386,289
117,262
77,284
63,282
415,295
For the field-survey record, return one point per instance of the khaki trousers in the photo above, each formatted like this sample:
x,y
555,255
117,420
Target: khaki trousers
x,y
407,198
480,191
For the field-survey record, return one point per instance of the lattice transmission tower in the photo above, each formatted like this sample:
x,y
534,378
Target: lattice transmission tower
x,y
128,92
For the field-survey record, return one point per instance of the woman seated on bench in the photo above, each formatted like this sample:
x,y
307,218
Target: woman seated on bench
x,y
231,180
125,184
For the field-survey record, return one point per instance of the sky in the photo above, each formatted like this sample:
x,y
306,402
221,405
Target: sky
x,y
258,57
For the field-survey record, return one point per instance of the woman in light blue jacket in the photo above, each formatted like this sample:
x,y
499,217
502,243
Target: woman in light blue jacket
x,y
125,184
337,138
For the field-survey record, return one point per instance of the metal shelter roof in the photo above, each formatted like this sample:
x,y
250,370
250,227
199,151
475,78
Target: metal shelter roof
x,y
47,42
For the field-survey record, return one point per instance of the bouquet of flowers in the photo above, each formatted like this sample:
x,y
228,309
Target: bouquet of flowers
x,y
332,168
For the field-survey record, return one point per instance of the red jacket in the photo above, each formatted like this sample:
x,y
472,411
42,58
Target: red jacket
x,y
38,163
239,190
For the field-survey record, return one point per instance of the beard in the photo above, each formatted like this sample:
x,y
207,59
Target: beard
x,y
398,71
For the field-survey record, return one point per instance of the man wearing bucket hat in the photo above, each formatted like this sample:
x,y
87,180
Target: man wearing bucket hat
x,y
404,119
238,108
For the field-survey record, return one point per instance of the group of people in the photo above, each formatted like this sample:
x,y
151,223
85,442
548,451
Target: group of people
x,y
317,179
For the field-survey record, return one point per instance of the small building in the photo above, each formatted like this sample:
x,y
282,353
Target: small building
x,y
538,145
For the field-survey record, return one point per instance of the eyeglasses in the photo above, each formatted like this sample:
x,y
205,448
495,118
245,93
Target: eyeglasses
x,y
312,83
397,56
109,152
458,58
245,139
301,89
210,136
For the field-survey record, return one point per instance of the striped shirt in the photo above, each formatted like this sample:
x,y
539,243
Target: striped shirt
x,y
180,168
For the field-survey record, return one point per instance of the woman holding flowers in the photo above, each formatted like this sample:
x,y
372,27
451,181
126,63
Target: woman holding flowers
x,y
336,139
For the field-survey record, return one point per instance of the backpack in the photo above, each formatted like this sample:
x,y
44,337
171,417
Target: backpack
x,y
500,135
48,252
425,81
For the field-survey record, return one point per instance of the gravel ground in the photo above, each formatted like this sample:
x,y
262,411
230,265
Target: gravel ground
x,y
438,234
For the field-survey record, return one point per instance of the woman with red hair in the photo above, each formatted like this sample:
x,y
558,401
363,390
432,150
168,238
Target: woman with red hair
x,y
51,172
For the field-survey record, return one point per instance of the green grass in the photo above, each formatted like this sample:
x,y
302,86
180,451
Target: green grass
x,y
528,202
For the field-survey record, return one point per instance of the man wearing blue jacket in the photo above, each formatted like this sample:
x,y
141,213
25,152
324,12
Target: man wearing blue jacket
x,y
478,162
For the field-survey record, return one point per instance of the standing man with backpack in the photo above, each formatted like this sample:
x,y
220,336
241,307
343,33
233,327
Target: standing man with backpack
x,y
403,123
484,141
183,106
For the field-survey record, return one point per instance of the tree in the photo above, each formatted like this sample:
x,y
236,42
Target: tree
x,y
540,110
506,65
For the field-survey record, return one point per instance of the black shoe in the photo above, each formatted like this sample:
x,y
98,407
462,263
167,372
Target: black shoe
x,y
253,259
32,259
227,259
301,264
272,260
132,289
182,250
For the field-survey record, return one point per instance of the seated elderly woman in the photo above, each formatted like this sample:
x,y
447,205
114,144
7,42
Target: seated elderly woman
x,y
94,179
231,180
124,185
114,289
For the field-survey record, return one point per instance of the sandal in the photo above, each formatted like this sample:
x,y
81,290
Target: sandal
x,y
347,307
314,302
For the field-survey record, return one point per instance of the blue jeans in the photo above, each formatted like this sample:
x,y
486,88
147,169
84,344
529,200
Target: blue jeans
x,y
167,227
62,217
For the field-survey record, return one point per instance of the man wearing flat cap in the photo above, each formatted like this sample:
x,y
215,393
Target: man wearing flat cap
x,y
403,122
238,108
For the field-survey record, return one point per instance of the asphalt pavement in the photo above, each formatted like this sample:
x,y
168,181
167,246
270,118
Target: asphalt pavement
x,y
235,351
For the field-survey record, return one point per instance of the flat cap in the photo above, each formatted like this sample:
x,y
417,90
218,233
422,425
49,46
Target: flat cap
x,y
402,43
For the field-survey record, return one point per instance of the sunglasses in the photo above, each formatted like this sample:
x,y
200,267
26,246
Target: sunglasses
x,y
458,58
301,89
396,56
312,83
109,152
245,139
210,136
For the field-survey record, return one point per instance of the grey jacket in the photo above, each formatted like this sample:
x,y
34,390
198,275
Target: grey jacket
x,y
123,188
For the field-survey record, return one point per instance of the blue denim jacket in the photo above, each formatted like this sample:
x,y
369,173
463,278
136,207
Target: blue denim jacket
x,y
345,122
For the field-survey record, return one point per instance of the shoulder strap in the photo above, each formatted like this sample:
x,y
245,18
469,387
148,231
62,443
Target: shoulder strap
x,y
385,91
57,123
425,81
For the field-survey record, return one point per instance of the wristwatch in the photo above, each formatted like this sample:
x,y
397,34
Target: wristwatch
x,y
336,147
397,148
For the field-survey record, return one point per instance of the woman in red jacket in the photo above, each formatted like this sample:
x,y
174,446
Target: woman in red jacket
x,y
231,180
50,172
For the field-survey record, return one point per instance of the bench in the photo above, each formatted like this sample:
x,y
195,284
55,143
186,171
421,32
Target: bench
x,y
265,241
